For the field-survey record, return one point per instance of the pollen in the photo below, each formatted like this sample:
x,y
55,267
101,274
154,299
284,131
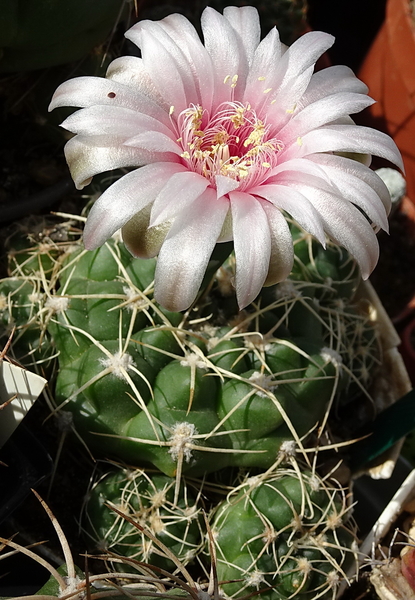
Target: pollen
x,y
233,142
299,141
261,78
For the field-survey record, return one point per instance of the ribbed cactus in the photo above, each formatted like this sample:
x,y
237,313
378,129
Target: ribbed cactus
x,y
168,390
285,535
149,499
203,393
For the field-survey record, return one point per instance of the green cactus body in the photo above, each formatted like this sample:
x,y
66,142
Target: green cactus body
x,y
286,535
148,499
187,393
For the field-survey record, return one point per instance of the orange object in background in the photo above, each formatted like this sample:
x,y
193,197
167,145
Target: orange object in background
x,y
389,71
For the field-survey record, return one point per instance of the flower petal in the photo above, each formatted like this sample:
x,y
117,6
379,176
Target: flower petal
x,y
345,138
88,156
293,72
332,80
225,184
123,199
282,251
166,64
346,225
89,91
252,241
154,141
245,22
130,71
359,185
323,111
186,251
112,120
200,64
295,204
222,43
177,195
267,53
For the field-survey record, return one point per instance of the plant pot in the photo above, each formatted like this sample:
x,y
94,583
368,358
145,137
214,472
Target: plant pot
x,y
389,71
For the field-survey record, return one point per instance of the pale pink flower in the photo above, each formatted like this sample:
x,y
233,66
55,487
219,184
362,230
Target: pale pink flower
x,y
228,136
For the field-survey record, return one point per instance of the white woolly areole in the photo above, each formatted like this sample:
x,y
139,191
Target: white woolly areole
x,y
35,297
134,300
332,356
264,381
193,360
254,579
118,363
73,585
288,448
182,436
57,304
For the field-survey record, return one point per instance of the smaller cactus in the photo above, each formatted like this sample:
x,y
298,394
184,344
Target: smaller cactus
x,y
283,535
148,499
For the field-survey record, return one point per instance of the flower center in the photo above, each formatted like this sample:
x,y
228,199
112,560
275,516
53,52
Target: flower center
x,y
233,143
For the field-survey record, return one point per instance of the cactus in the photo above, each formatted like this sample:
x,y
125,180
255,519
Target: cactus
x,y
201,393
283,535
193,392
148,498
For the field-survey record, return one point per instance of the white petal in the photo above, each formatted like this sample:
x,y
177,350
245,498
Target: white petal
x,y
160,64
294,71
200,64
177,195
89,91
359,185
187,249
266,56
222,43
130,71
332,80
345,138
225,184
245,22
346,225
252,241
123,199
89,155
153,141
282,251
166,64
295,204
112,120
323,111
